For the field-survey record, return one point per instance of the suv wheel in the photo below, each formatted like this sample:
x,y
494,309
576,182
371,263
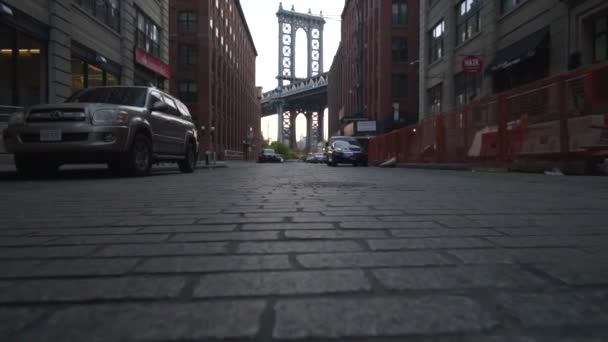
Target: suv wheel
x,y
188,164
137,162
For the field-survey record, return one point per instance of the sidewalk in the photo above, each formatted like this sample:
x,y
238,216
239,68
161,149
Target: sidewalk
x,y
7,165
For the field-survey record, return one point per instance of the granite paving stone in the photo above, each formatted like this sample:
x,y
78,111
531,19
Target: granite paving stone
x,y
335,234
339,318
287,226
366,259
150,321
225,236
494,276
163,249
214,263
281,283
294,251
426,243
284,247
78,290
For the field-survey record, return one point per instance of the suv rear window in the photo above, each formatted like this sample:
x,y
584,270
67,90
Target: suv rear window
x,y
123,96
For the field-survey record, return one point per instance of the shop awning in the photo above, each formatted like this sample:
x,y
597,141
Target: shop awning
x,y
521,50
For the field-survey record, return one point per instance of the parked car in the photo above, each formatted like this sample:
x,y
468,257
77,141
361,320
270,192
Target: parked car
x,y
345,150
310,158
320,157
129,128
268,155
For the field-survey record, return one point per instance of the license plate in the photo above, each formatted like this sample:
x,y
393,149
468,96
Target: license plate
x,y
50,135
348,154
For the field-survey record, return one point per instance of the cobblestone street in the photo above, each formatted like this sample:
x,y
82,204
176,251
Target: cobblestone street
x,y
294,251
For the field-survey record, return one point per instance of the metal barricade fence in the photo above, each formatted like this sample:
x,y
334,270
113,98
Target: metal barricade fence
x,y
557,117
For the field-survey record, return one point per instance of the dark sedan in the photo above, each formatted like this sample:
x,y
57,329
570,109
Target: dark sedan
x,y
268,155
345,150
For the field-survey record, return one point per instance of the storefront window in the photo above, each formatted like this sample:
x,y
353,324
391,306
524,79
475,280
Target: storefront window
x,y
434,99
467,87
94,76
85,75
7,43
111,79
31,70
23,61
78,80
147,78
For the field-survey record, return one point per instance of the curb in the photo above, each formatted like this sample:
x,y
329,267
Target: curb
x,y
7,164
447,167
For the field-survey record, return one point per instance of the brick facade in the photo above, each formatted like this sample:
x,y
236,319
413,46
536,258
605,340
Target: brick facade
x,y
223,70
368,77
504,24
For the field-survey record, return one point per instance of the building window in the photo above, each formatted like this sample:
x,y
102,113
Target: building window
x,y
434,99
507,6
187,91
436,42
85,75
399,50
187,21
468,20
23,68
188,55
467,87
148,35
107,11
399,12
399,85
600,39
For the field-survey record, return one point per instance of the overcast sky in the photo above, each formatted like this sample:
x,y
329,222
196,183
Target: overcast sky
x,y
263,24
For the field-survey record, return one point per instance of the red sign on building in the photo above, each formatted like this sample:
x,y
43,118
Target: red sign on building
x,y
152,63
472,64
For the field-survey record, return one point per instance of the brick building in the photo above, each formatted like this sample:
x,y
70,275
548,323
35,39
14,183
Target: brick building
x,y
374,75
517,41
213,62
49,49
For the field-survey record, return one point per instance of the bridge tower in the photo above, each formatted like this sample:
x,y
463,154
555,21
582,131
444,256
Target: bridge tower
x,y
290,22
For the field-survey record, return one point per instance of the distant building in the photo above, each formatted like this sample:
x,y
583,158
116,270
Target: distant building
x,y
213,62
302,143
516,41
374,75
49,49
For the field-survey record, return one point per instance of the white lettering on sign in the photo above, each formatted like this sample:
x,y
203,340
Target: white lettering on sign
x,y
471,62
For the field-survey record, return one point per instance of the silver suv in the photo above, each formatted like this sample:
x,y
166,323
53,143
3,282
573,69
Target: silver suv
x,y
129,128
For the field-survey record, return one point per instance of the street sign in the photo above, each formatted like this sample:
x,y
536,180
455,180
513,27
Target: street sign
x,y
366,126
472,64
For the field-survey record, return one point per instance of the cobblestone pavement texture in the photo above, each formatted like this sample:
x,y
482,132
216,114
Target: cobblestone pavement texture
x,y
301,252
